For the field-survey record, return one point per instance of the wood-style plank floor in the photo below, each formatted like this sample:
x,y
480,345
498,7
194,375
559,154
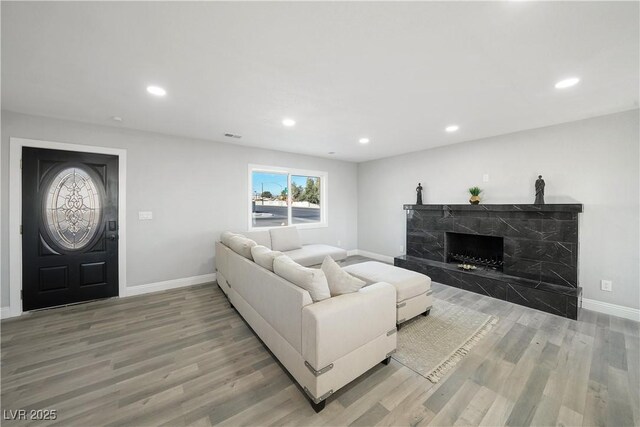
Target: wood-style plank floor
x,y
184,357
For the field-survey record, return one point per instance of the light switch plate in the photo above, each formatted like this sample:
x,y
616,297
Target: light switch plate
x,y
145,216
606,285
485,177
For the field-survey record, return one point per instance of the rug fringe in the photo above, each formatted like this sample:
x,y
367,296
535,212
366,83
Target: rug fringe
x,y
461,352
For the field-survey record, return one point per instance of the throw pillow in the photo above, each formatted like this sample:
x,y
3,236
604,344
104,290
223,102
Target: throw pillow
x,y
226,236
261,237
285,238
310,279
241,245
340,282
264,256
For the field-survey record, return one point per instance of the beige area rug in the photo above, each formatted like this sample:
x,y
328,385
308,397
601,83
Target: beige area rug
x,y
434,344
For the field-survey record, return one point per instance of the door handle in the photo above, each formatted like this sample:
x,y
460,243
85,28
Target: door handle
x,y
113,237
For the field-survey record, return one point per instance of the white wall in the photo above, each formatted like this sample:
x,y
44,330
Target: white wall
x,y
195,189
594,162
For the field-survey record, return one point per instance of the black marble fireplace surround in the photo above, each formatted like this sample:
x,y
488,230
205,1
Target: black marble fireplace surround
x,y
533,250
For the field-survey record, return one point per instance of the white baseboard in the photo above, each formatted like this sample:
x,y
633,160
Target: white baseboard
x,y
169,284
611,309
372,255
5,312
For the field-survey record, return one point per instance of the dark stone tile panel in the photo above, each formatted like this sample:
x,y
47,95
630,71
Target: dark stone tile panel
x,y
426,236
561,253
429,245
518,215
474,225
441,223
533,298
428,213
565,216
560,274
414,223
465,214
521,228
520,267
489,287
561,216
418,250
560,231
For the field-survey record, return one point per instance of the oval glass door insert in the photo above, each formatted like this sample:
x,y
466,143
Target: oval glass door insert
x,y
73,208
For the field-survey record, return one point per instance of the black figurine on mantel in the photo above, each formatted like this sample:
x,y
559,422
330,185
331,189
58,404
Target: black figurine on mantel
x,y
539,191
419,191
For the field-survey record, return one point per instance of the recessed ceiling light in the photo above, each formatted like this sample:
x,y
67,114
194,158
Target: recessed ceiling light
x,y
156,90
363,140
288,122
331,152
116,118
563,84
452,128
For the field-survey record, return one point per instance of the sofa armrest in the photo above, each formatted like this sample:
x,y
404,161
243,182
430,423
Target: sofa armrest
x,y
337,326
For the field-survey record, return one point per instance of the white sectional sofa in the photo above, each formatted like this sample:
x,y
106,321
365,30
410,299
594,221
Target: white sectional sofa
x,y
324,345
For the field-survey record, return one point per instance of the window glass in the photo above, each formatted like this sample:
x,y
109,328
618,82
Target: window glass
x,y
73,208
269,199
305,199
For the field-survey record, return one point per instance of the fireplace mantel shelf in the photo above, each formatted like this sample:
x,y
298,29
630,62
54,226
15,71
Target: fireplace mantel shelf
x,y
569,207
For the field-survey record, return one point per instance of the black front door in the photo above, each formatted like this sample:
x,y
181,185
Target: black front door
x,y
69,227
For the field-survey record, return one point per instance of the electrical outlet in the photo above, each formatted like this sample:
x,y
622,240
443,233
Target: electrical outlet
x,y
401,249
606,285
339,244
485,177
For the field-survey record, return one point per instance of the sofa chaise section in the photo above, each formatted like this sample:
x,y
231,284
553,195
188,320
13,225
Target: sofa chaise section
x,y
306,255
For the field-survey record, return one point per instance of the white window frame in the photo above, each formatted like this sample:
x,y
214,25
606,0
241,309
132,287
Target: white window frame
x,y
324,201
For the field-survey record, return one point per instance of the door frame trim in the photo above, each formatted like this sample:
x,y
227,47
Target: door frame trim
x,y
15,212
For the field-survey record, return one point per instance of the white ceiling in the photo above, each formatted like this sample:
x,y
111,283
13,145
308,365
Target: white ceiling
x,y
397,73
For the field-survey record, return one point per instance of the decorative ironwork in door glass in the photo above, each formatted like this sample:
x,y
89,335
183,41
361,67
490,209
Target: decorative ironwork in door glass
x,y
73,208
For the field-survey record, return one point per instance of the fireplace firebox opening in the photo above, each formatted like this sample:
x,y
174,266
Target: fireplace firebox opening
x,y
475,249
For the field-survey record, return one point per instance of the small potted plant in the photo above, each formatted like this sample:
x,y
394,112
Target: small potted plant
x,y
475,195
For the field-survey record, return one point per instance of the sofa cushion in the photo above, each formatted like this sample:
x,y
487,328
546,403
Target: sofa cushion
x,y
311,279
340,282
264,256
226,236
314,254
241,245
261,237
285,238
